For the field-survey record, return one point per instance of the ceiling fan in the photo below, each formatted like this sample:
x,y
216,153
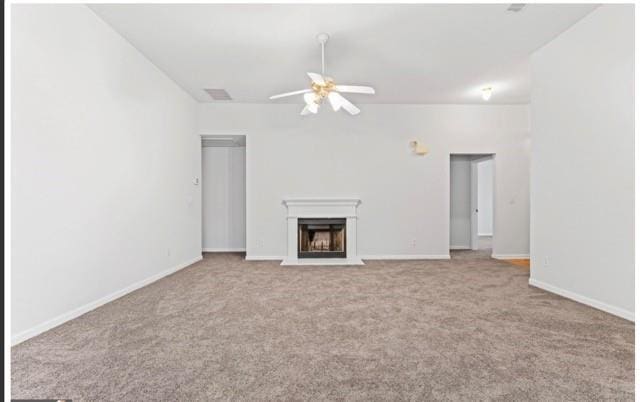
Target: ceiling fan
x,y
324,87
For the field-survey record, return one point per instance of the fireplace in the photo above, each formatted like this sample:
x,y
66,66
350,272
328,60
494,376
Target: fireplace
x,y
331,222
322,238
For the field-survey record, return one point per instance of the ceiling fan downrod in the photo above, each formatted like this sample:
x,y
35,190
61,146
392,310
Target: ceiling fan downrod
x,y
323,38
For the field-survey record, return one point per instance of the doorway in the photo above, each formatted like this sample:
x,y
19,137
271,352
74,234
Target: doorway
x,y
223,193
472,193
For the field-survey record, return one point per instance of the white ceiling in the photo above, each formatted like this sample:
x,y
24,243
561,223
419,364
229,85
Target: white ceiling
x,y
411,53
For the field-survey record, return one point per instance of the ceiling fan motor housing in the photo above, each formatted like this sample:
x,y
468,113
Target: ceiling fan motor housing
x,y
322,91
323,38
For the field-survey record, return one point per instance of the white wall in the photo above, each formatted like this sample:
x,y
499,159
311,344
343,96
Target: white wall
x,y
223,199
485,197
460,209
583,162
104,153
405,197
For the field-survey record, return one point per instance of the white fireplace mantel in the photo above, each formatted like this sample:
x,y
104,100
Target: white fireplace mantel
x,y
321,208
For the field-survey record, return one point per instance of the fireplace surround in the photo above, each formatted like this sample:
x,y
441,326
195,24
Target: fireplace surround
x,y
322,231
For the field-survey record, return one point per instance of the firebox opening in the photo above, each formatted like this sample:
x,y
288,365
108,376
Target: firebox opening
x,y
322,238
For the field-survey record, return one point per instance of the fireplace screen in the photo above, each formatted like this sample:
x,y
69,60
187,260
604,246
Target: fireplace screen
x,y
322,238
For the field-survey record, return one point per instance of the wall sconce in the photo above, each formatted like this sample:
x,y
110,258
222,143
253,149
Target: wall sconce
x,y
418,148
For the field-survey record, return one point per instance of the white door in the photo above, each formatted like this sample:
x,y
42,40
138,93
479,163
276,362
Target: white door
x,y
481,202
474,205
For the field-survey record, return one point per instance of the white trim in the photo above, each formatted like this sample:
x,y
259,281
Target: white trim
x,y
264,257
617,311
223,250
321,202
406,257
62,318
510,256
231,132
459,247
485,234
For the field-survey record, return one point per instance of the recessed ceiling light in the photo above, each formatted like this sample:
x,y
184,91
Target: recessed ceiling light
x,y
486,93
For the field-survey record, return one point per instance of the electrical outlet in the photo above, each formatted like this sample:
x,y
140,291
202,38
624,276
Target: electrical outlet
x,y
168,252
546,262
413,243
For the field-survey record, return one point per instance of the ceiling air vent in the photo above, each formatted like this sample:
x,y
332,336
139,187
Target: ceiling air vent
x,y
218,94
516,7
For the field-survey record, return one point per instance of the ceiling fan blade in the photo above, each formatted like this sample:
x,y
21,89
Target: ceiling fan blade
x,y
302,91
335,99
355,89
316,78
305,111
348,106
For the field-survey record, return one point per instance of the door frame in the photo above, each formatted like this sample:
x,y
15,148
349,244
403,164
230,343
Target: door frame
x,y
476,157
224,140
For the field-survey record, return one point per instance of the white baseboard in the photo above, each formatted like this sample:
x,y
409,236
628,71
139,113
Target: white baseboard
x,y
510,256
62,318
224,250
459,247
264,257
626,314
485,234
407,257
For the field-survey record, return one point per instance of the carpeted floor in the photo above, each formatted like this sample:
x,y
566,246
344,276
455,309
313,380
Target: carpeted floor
x,y
224,328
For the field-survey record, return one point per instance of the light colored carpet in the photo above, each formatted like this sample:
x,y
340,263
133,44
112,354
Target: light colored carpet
x,y
224,328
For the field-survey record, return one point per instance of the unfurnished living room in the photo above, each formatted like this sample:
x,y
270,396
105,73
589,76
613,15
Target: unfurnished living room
x,y
319,201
